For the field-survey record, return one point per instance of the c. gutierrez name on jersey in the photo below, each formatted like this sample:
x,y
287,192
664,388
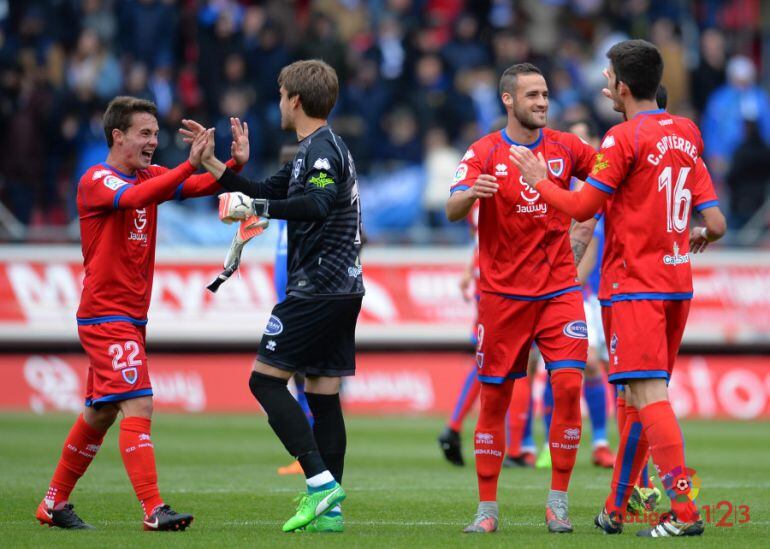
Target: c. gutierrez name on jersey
x,y
317,192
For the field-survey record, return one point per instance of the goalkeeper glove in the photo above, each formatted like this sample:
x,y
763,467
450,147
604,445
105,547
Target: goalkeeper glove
x,y
248,229
238,206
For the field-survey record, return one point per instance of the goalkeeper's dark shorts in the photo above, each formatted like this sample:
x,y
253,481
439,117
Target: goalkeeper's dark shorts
x,y
316,337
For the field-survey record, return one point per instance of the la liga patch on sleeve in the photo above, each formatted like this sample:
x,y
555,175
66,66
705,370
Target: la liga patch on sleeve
x,y
113,183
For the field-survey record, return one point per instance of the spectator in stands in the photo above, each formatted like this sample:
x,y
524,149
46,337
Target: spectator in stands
x,y
729,109
749,177
710,72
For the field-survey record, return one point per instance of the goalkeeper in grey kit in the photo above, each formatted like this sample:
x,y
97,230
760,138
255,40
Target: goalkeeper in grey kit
x,y
313,330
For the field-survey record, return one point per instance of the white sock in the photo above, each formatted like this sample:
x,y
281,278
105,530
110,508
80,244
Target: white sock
x,y
320,479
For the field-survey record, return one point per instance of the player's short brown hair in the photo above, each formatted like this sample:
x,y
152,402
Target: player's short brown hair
x,y
315,82
508,78
119,112
639,65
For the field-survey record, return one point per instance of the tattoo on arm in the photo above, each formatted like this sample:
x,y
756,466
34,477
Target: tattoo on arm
x,y
578,249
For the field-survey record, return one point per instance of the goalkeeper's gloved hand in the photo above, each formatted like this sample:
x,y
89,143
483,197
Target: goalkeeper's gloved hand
x,y
234,207
238,206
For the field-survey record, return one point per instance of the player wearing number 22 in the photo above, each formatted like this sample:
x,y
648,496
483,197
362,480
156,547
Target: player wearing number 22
x,y
529,287
648,175
117,203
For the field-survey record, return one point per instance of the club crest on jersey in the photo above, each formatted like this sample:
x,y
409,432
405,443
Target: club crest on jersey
x,y
556,166
130,375
576,329
297,168
274,326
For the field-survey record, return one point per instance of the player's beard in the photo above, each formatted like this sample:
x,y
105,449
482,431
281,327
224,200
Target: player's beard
x,y
617,104
527,119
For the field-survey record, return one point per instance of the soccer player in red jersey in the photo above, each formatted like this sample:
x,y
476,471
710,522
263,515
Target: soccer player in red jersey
x,y
651,168
528,285
117,204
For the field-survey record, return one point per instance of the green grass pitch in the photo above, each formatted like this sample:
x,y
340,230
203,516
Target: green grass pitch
x,y
400,491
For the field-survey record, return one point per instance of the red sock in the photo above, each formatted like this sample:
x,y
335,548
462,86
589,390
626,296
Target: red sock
x,y
139,460
79,450
465,402
566,424
489,440
518,411
667,449
630,461
644,477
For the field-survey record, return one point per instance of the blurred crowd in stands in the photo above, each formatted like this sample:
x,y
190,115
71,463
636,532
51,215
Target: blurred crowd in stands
x,y
418,85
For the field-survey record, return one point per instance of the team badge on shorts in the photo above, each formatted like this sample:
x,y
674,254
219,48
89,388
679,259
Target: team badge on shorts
x,y
274,326
130,375
576,329
614,343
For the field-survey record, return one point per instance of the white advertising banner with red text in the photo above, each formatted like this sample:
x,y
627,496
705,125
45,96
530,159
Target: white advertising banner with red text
x,y
386,383
413,296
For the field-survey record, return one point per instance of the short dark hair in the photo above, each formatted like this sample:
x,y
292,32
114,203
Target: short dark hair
x,y
661,97
639,65
119,112
316,84
508,78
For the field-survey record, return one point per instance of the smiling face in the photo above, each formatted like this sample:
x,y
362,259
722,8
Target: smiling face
x,y
136,145
530,101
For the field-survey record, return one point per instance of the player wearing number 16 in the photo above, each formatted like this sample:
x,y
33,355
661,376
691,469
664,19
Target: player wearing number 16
x,y
118,208
648,174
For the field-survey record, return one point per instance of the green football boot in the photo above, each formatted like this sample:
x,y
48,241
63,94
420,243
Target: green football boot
x,y
643,500
328,523
312,506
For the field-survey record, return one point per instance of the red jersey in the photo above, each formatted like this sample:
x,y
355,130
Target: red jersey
x,y
524,247
119,244
473,221
652,166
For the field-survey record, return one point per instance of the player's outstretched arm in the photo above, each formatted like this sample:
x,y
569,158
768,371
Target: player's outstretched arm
x,y
580,205
158,188
715,228
274,187
460,202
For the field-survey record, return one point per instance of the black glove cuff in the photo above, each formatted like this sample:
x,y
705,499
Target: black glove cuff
x,y
261,207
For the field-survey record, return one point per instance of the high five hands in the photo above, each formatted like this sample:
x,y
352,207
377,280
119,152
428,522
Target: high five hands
x,y
239,148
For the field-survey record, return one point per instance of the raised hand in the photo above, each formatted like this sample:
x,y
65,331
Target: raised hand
x,y
191,130
485,186
203,141
532,167
239,149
